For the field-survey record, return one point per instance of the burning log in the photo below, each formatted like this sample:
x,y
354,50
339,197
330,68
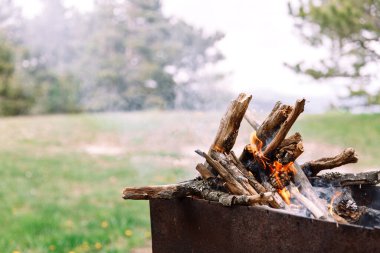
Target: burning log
x,y
285,127
337,179
290,149
267,172
312,168
286,150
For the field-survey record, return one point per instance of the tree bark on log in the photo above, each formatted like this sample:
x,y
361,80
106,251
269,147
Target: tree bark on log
x,y
290,149
273,122
338,179
198,188
234,171
232,184
312,168
203,171
230,124
284,129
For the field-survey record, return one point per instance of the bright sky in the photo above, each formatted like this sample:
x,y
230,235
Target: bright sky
x,y
260,37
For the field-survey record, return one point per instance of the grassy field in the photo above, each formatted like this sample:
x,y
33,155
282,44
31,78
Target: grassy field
x,y
61,176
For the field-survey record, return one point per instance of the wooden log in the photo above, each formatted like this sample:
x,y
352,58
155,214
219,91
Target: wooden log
x,y
284,129
230,124
234,171
290,149
276,201
316,212
305,187
198,188
232,184
252,180
162,191
337,179
203,171
312,168
273,122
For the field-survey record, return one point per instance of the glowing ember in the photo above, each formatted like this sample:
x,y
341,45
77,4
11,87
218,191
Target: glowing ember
x,y
331,206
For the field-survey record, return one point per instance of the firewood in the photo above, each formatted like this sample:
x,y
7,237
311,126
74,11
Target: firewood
x,y
234,171
290,149
285,127
301,180
337,179
203,171
229,127
230,124
312,168
317,213
197,188
162,191
273,122
252,180
232,184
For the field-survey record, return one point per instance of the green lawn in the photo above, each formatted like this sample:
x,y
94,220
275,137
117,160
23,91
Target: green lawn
x,y
61,176
361,132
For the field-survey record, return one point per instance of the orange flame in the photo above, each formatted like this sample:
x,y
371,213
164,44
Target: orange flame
x,y
331,206
255,147
276,168
285,194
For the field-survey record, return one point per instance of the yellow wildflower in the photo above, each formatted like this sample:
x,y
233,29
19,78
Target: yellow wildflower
x,y
128,233
104,224
98,245
16,251
51,247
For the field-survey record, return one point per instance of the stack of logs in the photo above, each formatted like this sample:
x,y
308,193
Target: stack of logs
x,y
266,173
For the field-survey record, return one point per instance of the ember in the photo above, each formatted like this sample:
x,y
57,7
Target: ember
x,y
267,173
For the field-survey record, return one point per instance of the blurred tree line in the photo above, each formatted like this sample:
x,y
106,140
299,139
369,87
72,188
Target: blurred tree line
x,y
123,55
351,30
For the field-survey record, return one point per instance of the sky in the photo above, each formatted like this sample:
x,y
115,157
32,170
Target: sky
x,y
260,38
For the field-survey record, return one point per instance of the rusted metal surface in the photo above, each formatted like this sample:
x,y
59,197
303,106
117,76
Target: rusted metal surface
x,y
191,225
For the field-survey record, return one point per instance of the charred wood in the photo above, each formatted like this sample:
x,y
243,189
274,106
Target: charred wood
x,y
290,149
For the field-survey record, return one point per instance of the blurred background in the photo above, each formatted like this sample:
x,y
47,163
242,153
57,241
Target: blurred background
x,y
96,95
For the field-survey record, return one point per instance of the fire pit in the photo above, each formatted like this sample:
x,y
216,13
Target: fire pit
x,y
291,207
194,225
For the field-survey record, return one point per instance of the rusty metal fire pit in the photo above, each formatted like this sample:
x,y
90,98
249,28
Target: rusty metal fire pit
x,y
194,225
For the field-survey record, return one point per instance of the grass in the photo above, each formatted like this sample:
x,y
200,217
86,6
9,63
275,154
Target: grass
x,y
361,132
61,176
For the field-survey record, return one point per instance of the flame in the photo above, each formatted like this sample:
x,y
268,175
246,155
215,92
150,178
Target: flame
x,y
255,148
285,194
276,169
331,206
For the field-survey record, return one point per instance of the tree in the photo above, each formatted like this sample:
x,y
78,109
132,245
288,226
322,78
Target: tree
x,y
136,56
351,29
